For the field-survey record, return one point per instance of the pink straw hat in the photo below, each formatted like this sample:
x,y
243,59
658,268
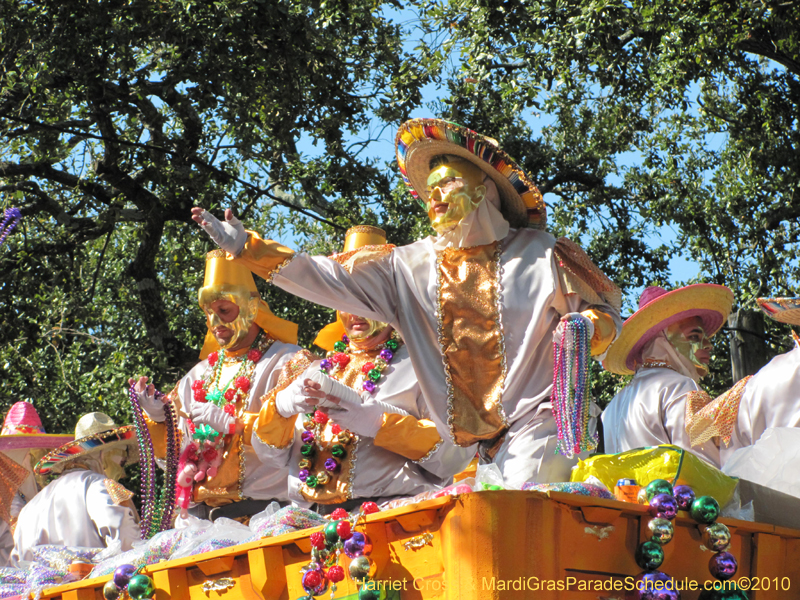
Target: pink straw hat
x,y
658,309
22,428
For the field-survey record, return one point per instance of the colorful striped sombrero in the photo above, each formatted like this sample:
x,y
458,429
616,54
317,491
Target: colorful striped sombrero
x,y
95,432
783,310
420,140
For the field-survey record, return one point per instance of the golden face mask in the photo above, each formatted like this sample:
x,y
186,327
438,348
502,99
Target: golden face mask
x,y
114,463
248,309
688,338
374,327
458,183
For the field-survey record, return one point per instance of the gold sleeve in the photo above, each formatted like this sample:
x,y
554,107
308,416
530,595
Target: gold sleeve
x,y
604,330
407,436
158,433
249,420
273,429
265,258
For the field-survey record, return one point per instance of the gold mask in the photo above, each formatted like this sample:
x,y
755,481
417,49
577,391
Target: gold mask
x,y
688,337
114,463
458,183
248,309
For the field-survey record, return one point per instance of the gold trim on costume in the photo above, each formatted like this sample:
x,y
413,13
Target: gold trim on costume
x,y
118,492
707,418
472,342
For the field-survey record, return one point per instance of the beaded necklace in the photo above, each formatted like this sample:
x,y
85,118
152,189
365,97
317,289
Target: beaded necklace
x,y
316,424
234,393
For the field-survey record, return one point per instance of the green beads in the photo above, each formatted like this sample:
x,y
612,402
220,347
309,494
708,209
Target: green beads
x,y
374,374
141,587
338,451
339,346
658,486
704,510
331,535
649,555
392,345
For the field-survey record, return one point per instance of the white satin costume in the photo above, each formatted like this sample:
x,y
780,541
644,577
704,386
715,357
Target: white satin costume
x,y
258,481
771,398
478,323
651,409
77,509
405,458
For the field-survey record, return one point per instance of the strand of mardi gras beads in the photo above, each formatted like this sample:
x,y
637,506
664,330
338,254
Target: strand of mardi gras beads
x,y
571,383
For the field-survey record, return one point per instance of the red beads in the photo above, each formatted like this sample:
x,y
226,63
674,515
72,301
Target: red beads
x,y
367,367
197,384
335,574
369,507
243,383
341,359
229,409
343,529
254,355
230,393
212,358
318,540
338,514
320,417
200,395
336,430
312,579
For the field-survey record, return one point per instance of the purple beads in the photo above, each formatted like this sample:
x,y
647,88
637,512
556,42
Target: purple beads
x,y
331,465
368,386
325,365
386,355
357,545
664,506
307,437
684,495
723,565
303,475
123,575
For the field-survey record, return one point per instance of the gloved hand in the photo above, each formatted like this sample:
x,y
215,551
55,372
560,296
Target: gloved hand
x,y
292,401
559,330
363,417
146,395
207,413
328,386
228,235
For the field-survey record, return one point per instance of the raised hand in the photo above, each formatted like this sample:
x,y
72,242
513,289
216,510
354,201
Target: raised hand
x,y
228,235
146,394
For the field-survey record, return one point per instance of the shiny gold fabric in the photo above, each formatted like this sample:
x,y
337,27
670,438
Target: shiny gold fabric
x,y
12,475
118,492
273,429
604,330
472,342
263,257
707,418
579,275
407,436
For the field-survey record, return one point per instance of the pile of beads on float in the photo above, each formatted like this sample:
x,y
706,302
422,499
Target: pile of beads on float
x,y
664,502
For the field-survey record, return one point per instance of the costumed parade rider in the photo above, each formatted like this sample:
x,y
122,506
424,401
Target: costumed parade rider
x,y
766,400
23,442
476,305
666,346
354,427
219,399
85,506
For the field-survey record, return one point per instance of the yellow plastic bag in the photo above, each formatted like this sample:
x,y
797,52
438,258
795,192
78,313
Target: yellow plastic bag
x,y
658,462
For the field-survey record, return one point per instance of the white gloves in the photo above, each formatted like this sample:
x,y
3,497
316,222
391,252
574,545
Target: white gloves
x,y
559,331
146,395
207,413
331,387
363,417
291,401
229,235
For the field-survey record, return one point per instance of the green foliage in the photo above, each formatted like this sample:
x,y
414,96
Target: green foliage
x,y
118,117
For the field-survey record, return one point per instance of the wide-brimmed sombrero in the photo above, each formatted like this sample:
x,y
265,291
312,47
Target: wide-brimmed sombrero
x,y
95,432
362,243
658,309
783,310
22,429
420,140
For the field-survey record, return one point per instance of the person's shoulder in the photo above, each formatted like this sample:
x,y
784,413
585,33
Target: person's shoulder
x,y
527,238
